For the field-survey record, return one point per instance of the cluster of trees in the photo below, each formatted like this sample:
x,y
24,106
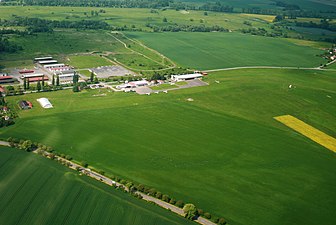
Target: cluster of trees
x,y
8,46
263,32
289,13
324,24
28,145
216,7
287,6
186,28
43,25
6,118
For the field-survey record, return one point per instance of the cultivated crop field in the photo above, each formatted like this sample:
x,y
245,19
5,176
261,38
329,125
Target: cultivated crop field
x,y
223,151
225,50
35,190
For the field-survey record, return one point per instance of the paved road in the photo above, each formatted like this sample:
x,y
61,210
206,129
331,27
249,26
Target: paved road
x,y
110,182
4,143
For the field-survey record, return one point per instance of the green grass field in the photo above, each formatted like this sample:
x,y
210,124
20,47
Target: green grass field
x,y
223,151
87,61
63,44
34,190
224,50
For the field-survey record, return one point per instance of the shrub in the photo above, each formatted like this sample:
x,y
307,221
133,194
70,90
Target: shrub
x,y
207,215
158,195
52,156
200,212
190,211
172,201
179,203
141,187
84,164
221,221
165,198
129,185
152,191
123,181
68,157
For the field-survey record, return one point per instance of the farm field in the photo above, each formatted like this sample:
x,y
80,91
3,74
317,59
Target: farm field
x,y
225,50
137,17
308,131
223,151
35,190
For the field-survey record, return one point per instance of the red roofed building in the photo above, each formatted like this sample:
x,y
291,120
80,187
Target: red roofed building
x,y
36,79
7,79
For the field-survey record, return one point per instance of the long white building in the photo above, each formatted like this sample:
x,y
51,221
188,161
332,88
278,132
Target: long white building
x,y
186,77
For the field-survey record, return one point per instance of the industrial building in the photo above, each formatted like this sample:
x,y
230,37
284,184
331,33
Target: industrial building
x,y
45,62
186,77
35,77
65,77
53,66
7,79
42,58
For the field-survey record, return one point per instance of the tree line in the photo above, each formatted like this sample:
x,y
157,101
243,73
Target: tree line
x,y
43,25
186,28
324,24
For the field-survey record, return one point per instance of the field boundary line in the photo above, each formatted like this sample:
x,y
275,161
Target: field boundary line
x,y
139,53
308,131
268,67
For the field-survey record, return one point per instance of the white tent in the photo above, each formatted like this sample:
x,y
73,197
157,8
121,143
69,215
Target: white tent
x,y
44,102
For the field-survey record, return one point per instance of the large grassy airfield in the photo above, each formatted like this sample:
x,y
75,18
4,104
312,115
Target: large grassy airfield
x,y
225,143
222,151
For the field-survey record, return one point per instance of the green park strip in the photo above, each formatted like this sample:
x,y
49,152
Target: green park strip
x,y
219,151
57,195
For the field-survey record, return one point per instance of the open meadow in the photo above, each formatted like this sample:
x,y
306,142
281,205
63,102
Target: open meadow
x,y
225,50
35,190
223,151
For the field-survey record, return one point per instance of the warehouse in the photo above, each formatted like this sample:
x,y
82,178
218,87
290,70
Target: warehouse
x,y
138,83
53,66
43,58
65,77
45,103
45,62
32,75
7,79
186,77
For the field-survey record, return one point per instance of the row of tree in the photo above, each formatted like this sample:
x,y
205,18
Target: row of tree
x,y
186,28
324,24
43,25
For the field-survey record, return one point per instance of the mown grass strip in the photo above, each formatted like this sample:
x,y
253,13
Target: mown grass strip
x,y
308,131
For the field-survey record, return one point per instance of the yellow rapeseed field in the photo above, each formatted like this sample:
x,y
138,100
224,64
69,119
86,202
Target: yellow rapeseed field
x,y
308,131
